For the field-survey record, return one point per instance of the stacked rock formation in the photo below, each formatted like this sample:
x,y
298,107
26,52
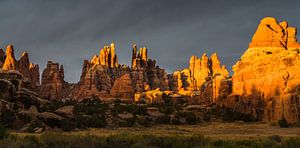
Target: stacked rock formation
x,y
266,78
104,78
144,72
201,72
29,71
53,84
98,75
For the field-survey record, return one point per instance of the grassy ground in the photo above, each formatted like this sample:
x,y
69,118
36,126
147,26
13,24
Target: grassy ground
x,y
213,130
216,130
203,135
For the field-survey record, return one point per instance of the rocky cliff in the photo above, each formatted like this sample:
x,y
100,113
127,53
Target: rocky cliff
x,y
266,79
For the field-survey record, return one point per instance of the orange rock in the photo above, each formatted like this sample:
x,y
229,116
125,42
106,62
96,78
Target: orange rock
x,y
268,72
271,34
107,57
10,62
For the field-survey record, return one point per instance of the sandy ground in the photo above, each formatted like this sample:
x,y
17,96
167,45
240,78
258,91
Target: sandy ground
x,y
214,130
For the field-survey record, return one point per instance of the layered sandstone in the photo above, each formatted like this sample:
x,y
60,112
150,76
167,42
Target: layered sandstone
x,y
53,84
267,75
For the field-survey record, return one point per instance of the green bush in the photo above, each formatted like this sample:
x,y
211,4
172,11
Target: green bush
x,y
3,131
283,123
67,125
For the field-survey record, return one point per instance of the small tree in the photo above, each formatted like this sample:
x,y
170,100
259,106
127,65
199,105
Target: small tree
x,y
283,123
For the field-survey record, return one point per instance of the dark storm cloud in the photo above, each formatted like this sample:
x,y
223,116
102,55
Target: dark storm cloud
x,y
173,30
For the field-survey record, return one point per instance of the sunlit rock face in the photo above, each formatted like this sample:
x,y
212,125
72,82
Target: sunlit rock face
x,y
10,62
204,75
29,71
53,84
267,75
102,77
98,75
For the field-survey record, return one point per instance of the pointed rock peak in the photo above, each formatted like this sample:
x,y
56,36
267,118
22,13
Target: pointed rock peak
x,y
283,24
95,60
10,51
204,56
10,61
32,65
24,58
24,54
268,21
134,45
214,56
112,45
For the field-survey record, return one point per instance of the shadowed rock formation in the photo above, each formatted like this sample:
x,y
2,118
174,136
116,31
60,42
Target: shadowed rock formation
x,y
53,84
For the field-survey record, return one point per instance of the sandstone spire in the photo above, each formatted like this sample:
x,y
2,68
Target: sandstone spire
x,y
24,65
52,82
34,75
107,57
139,59
10,61
216,66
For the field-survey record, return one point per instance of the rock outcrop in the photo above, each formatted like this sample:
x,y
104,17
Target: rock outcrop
x,y
204,75
98,75
102,77
29,70
266,79
53,84
10,62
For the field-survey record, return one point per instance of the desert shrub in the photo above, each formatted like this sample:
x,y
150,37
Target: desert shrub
x,y
8,117
97,121
3,131
189,117
90,107
67,125
165,119
231,116
207,116
283,123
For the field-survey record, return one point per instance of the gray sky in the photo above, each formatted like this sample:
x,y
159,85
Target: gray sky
x,y
70,31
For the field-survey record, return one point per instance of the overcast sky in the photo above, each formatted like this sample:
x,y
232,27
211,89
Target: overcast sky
x,y
70,31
